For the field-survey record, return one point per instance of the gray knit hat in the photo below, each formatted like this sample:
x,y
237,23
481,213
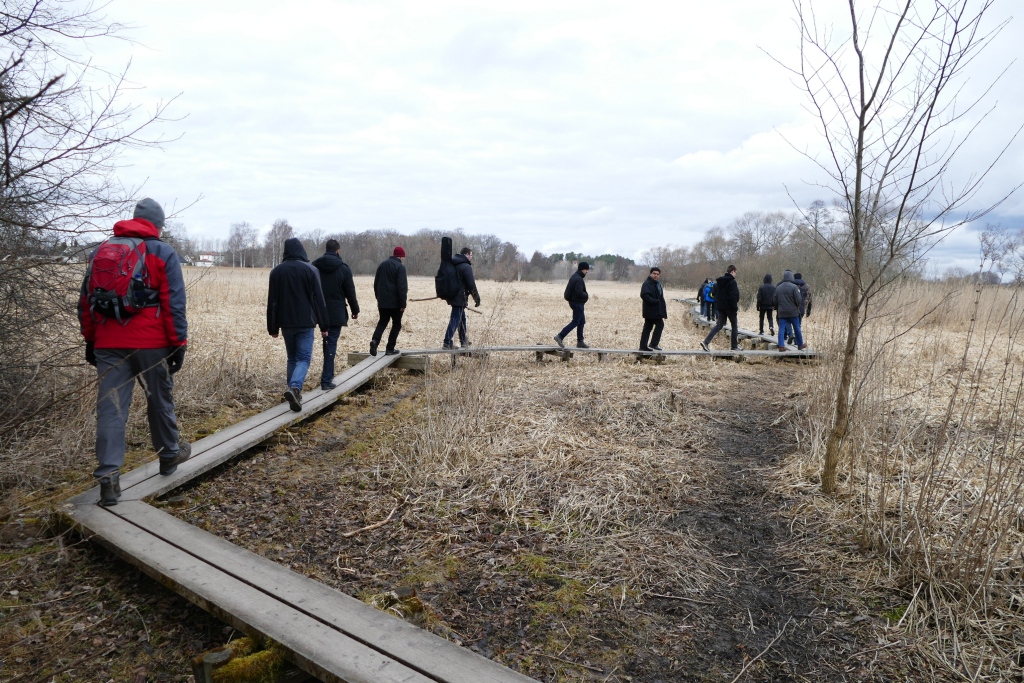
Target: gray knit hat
x,y
149,210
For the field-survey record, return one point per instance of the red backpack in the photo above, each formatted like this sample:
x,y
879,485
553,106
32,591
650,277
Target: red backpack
x,y
117,281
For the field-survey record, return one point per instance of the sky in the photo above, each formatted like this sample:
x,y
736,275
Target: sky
x,y
558,125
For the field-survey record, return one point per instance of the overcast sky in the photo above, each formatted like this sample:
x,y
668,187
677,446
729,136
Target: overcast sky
x,y
595,126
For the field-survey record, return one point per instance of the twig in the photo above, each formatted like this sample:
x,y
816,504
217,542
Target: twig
x,y
569,661
762,652
377,525
47,602
72,665
679,597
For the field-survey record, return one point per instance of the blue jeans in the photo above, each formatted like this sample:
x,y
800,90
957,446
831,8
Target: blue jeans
x,y
578,321
298,343
784,325
330,350
456,322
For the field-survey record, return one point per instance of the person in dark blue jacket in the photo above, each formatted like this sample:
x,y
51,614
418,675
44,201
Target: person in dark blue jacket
x,y
463,262
295,305
576,295
339,288
654,311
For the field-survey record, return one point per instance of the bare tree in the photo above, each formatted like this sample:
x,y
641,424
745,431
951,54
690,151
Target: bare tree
x,y
888,93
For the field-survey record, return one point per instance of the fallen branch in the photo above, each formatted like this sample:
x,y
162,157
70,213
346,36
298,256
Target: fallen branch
x,y
377,525
762,652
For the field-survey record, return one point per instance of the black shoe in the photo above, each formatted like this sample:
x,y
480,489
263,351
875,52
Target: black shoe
x,y
373,348
558,340
448,346
392,352
110,489
645,348
771,332
582,344
466,344
735,348
328,386
294,398
169,465
704,346
655,348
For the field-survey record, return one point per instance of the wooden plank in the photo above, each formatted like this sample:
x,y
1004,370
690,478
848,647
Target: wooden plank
x,y
410,645
316,647
404,362
147,480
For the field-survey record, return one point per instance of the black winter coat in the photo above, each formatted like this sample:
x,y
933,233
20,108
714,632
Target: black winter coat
x,y
467,284
390,284
338,287
805,297
727,294
766,295
576,290
653,296
295,298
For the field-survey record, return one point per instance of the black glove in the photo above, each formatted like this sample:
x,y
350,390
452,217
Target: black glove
x,y
477,303
175,359
90,353
808,310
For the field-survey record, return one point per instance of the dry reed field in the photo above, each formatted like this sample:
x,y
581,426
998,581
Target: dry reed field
x,y
581,521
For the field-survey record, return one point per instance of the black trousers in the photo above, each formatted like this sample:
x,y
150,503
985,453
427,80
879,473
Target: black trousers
x,y
388,315
761,316
724,317
656,324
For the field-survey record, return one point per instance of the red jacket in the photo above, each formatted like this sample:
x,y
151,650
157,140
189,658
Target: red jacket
x,y
155,327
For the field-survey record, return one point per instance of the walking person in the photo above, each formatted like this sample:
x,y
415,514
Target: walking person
x,y
391,289
709,298
463,262
700,298
654,311
295,306
140,335
765,305
576,295
787,304
339,289
727,306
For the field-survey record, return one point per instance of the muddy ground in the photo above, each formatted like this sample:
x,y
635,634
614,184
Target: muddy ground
x,y
782,608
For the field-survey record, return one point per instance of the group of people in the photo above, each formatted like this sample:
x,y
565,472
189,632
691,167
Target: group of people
x,y
788,302
132,315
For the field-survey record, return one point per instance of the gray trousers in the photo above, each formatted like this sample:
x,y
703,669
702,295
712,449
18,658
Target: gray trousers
x,y
118,370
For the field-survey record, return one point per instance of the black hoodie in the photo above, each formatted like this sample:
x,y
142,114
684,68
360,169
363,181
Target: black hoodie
x,y
467,283
338,287
295,298
727,294
766,294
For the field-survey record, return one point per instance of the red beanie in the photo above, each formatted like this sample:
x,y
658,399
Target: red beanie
x,y
399,252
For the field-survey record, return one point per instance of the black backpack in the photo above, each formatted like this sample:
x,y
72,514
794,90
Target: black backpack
x,y
446,282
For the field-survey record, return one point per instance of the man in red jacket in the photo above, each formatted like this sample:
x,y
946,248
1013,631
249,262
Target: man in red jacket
x,y
148,346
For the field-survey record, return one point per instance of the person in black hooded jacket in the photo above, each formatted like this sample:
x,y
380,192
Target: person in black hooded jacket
x,y
765,296
727,307
295,305
463,262
391,289
654,310
576,295
338,287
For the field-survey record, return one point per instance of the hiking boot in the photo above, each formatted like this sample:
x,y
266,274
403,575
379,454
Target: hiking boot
x,y
704,346
294,398
110,489
448,346
373,347
558,340
771,332
328,386
169,465
645,348
466,344
735,348
782,349
392,352
801,347
582,344
655,347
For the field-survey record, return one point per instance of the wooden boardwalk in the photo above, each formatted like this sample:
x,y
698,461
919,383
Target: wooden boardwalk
x,y
329,634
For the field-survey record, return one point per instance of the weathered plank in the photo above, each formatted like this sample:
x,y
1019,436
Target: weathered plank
x,y
218,448
316,647
408,644
405,362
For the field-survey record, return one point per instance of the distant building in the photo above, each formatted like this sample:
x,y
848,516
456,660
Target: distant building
x,y
208,259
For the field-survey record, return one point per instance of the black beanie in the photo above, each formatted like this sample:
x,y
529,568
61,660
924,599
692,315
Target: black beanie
x,y
149,210
583,266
